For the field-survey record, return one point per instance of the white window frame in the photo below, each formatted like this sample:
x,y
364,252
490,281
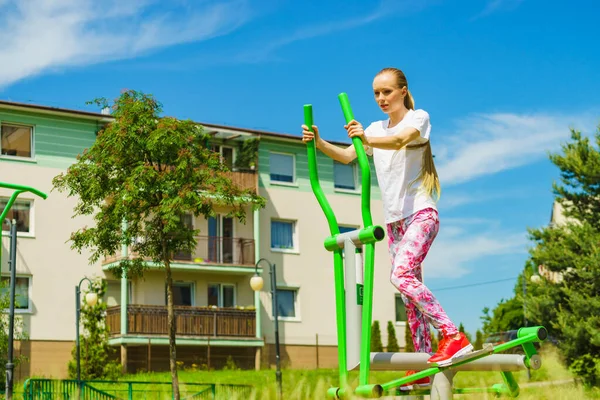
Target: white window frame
x,y
32,137
296,248
294,177
31,233
399,323
296,290
356,189
184,283
221,285
29,308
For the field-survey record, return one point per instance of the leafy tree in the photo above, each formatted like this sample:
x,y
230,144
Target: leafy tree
x,y
19,333
376,343
97,358
506,316
392,346
140,178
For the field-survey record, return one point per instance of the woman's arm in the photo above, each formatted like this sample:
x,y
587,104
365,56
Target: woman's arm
x,y
337,153
394,142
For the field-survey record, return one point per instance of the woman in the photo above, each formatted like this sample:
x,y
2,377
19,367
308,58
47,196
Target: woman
x,y
410,188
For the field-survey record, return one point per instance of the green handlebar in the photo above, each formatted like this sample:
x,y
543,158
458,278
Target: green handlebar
x,y
314,175
23,189
363,163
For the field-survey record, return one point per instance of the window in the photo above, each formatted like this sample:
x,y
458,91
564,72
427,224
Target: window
x,y
286,303
400,309
282,235
221,294
282,168
183,294
347,228
22,300
20,211
16,140
344,176
226,154
188,221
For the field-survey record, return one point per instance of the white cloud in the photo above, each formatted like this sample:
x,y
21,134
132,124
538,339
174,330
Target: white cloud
x,y
486,144
493,6
463,241
40,35
385,9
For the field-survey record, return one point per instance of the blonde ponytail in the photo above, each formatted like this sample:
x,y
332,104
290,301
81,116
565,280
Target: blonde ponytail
x,y
409,101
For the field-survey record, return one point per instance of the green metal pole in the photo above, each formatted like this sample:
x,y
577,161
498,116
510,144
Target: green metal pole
x,y
338,261
365,172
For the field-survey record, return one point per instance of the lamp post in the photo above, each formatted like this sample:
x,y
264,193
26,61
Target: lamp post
x,y
12,262
91,298
256,282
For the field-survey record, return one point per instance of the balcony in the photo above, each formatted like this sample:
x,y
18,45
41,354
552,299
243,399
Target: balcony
x,y
211,250
197,322
244,179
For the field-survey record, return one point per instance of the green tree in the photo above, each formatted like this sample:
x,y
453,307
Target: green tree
x,y
409,346
376,342
461,328
478,340
506,316
140,178
567,307
19,332
97,358
392,345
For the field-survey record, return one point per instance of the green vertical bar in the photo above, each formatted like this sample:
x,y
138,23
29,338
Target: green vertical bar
x,y
338,261
367,314
363,163
369,259
314,174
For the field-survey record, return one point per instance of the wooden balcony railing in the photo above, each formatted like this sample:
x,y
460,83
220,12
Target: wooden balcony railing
x,y
190,321
213,250
244,179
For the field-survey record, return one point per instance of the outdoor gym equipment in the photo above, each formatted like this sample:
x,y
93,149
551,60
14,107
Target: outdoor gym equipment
x,y
18,189
354,306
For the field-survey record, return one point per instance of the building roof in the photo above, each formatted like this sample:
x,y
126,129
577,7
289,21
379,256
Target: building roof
x,y
107,118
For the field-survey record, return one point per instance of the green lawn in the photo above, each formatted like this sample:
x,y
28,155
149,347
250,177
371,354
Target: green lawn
x,y
313,384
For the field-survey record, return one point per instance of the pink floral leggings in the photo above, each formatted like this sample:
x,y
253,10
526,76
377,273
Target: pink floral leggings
x,y
409,241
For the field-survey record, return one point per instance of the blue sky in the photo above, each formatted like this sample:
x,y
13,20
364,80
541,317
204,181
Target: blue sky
x,y
503,81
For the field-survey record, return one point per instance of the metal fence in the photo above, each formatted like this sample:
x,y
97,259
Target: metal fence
x,y
53,389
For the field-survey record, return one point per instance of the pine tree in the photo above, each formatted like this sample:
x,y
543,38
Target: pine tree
x,y
376,343
409,346
478,340
392,346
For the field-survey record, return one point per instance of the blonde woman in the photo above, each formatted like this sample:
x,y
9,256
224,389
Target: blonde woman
x,y
410,188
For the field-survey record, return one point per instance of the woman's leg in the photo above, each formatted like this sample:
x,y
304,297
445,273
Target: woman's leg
x,y
416,321
420,230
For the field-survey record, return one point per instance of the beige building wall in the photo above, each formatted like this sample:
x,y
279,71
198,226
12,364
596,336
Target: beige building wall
x,y
310,268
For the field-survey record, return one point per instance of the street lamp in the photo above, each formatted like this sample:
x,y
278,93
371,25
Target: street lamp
x,y
256,282
91,299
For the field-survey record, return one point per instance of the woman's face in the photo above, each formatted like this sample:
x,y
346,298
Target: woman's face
x,y
388,95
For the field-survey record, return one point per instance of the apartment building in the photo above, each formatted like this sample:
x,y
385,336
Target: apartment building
x,y
220,317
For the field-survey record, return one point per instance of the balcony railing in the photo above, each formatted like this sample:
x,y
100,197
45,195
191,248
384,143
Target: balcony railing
x,y
244,179
190,321
213,250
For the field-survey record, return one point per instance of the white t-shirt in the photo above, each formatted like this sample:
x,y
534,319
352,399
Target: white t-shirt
x,y
396,169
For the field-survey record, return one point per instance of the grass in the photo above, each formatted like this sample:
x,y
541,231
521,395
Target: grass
x,y
313,384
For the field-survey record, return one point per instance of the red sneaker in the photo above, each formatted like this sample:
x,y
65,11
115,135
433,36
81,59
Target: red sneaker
x,y
420,383
450,348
